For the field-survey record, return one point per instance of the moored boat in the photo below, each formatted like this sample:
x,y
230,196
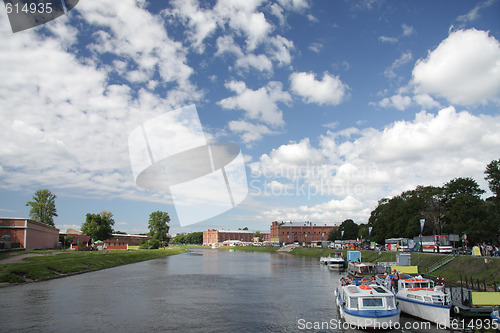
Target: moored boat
x,y
334,260
361,269
419,297
367,305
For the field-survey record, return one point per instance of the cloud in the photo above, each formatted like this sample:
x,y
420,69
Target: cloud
x,y
473,14
386,39
66,115
316,47
250,132
358,167
330,90
464,69
405,58
260,104
399,102
408,30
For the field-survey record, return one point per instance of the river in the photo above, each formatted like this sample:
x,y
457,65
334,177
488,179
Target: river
x,y
203,290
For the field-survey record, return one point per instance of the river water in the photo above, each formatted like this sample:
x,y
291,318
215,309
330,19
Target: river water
x,y
203,290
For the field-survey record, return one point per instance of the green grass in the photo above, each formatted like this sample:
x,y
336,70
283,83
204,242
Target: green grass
x,y
69,262
472,267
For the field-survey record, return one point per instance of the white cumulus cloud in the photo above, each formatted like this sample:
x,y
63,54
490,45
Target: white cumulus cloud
x,y
329,90
464,68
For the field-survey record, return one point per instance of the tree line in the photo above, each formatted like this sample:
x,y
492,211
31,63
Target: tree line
x,y
98,226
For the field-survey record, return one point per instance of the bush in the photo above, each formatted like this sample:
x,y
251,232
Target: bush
x,y
154,243
151,244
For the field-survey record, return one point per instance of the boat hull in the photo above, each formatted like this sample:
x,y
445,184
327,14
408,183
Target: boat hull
x,y
335,264
384,319
439,314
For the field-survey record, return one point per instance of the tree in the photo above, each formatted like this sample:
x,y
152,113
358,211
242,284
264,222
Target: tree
x,y
98,226
493,176
257,234
158,227
43,207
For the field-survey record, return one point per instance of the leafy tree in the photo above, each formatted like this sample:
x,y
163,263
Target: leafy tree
x,y
158,227
350,229
493,176
257,234
98,226
67,241
43,207
462,186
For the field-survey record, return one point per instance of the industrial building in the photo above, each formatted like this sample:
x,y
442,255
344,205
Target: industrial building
x,y
213,236
300,232
27,234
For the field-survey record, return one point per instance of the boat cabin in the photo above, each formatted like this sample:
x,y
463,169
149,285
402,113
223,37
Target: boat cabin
x,y
367,297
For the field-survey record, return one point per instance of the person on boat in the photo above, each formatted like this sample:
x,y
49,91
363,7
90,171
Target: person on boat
x,y
387,281
395,280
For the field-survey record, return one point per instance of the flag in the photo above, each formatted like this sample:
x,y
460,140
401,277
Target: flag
x,y
370,231
342,234
388,246
422,222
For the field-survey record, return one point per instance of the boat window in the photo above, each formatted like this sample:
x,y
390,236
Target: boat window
x,y
390,302
372,302
428,299
379,289
353,301
420,298
437,299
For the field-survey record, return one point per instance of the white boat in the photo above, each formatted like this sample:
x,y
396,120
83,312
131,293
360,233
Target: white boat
x,y
334,260
419,297
367,306
361,269
495,319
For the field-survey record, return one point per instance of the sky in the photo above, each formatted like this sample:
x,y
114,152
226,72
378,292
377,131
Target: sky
x,y
334,104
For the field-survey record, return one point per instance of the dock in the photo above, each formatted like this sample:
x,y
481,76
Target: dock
x,y
474,301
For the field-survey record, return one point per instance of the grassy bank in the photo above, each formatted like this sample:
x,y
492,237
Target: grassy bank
x,y
71,262
462,265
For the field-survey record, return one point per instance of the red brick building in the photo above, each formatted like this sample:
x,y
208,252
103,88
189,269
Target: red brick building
x,y
304,232
213,236
28,234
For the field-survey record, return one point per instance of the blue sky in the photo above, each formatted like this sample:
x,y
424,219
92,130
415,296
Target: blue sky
x,y
335,104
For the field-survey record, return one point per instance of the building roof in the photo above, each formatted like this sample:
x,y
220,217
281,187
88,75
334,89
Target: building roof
x,y
30,221
307,224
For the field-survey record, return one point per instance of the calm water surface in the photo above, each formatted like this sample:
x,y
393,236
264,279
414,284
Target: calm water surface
x,y
203,290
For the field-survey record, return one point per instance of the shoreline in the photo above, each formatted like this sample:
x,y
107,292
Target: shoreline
x,y
48,267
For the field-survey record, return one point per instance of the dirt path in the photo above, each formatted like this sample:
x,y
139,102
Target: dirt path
x,y
19,258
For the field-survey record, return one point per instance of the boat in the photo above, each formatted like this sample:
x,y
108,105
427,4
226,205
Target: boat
x,y
495,319
366,305
419,297
361,269
334,260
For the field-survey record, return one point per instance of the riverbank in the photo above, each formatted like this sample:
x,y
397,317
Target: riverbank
x,y
460,266
44,265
